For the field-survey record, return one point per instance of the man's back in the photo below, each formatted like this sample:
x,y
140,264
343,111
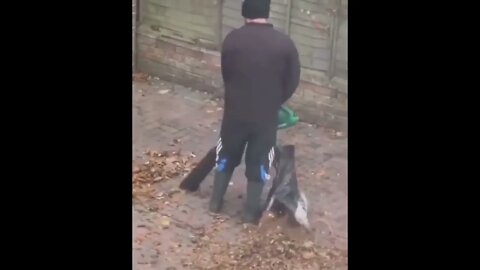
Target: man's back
x,y
260,70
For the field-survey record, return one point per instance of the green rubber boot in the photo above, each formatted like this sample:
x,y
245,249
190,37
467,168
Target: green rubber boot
x,y
220,185
253,210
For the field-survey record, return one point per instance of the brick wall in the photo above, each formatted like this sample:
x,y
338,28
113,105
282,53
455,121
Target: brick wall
x,y
317,100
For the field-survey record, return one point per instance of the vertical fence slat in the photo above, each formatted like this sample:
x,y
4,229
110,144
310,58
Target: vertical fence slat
x,y
334,36
288,15
134,28
219,35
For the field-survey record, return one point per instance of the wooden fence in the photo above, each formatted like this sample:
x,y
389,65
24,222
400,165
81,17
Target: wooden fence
x,y
318,27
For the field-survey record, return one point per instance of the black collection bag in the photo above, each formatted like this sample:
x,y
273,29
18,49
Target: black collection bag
x,y
193,180
285,195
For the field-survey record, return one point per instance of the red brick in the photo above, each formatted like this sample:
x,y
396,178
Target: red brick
x,y
189,52
342,98
325,91
212,60
165,45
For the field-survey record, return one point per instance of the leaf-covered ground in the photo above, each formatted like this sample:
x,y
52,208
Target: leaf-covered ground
x,y
174,230
253,247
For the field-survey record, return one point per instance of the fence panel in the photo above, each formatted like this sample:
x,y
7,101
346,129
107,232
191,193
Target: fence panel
x,y
192,21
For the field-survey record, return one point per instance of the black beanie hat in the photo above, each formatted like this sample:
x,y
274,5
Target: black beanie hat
x,y
255,9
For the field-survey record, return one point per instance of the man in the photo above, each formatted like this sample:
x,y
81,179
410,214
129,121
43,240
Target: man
x,y
261,70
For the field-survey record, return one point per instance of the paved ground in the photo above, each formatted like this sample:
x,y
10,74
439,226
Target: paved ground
x,y
162,112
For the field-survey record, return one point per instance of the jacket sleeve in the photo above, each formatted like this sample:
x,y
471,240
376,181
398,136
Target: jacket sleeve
x,y
224,66
292,74
225,63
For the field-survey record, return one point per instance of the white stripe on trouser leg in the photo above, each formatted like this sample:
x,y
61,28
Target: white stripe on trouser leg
x,y
219,148
271,157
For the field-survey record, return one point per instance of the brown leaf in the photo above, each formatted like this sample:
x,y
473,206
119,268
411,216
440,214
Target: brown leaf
x,y
140,77
163,92
308,255
165,223
308,244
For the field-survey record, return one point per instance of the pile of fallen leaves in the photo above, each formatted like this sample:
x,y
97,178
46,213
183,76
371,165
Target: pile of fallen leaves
x,y
265,250
158,167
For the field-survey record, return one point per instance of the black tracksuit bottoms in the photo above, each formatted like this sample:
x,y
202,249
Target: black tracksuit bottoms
x,y
259,141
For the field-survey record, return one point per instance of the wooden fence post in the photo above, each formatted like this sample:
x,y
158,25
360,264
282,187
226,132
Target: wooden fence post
x,y
134,28
288,16
334,29
220,24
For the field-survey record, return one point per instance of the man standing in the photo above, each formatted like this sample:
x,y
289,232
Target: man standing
x,y
261,70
